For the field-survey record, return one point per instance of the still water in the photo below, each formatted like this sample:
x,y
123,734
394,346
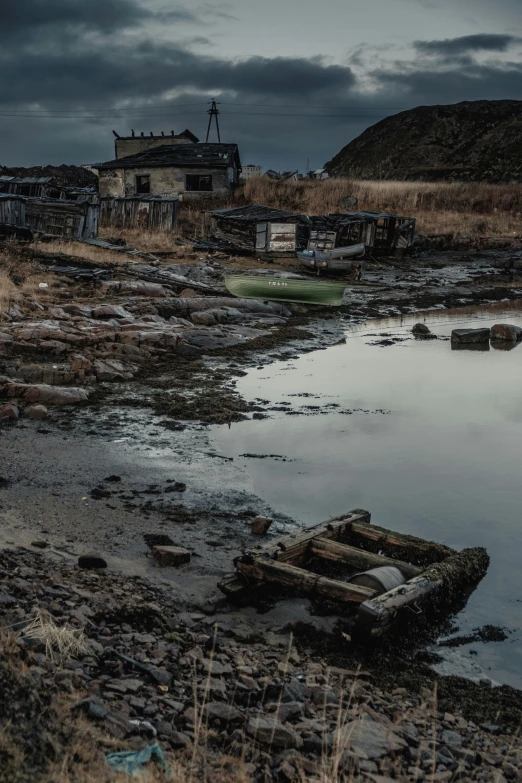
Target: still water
x,y
427,438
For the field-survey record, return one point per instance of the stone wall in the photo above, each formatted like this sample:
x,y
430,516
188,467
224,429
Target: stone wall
x,y
164,181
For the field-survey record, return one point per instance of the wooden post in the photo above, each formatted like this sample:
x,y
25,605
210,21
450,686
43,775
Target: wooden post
x,y
462,568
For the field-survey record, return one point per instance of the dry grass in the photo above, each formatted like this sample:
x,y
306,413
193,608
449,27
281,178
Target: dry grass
x,y
440,207
61,641
81,250
20,280
149,241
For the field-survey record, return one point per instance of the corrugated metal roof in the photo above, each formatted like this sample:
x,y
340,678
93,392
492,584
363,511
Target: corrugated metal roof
x,y
205,155
255,212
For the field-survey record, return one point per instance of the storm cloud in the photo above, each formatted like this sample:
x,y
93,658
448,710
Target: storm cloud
x,y
484,42
77,70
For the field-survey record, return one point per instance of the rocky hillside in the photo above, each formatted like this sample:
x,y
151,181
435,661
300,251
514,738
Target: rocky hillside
x,y
479,141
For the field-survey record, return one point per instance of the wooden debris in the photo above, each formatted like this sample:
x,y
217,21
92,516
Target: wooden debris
x,y
350,540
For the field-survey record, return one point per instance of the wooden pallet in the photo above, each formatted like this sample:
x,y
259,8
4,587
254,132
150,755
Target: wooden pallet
x,y
350,540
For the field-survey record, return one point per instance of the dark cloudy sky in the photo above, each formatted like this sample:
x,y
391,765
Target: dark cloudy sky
x,y
297,79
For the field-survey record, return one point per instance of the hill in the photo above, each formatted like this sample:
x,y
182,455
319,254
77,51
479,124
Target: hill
x,y
478,141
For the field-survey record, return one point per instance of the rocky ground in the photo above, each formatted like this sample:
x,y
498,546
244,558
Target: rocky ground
x,y
226,697
116,370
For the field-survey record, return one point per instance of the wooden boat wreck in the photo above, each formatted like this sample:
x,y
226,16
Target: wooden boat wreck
x,y
279,289
398,571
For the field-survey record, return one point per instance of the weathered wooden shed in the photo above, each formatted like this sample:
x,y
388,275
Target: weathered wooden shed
x,y
52,217
258,229
382,232
146,212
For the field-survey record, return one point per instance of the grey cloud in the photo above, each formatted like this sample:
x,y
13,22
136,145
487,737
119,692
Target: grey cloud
x,y
489,42
27,18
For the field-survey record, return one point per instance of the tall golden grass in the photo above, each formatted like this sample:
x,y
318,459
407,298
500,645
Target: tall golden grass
x,y
439,207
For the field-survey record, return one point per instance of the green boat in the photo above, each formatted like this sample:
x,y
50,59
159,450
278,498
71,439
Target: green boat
x,y
280,289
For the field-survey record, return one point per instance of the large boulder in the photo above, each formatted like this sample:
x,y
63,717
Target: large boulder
x,y
42,393
506,332
105,312
368,739
466,336
112,370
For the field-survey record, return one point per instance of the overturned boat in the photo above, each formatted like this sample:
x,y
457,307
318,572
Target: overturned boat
x,y
340,260
280,289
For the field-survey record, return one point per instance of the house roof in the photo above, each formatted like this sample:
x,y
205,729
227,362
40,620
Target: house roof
x,y
26,180
194,155
257,212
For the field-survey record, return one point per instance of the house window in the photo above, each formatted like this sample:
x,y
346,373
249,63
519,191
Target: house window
x,y
198,182
142,184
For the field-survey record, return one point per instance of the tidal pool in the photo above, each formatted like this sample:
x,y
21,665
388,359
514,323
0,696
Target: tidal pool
x,y
427,438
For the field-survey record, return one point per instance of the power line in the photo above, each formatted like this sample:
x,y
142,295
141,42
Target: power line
x,y
174,107
180,116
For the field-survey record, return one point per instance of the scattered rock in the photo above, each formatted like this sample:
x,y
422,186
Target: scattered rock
x,y
92,560
369,739
420,330
270,731
506,332
260,525
8,412
37,412
466,336
40,544
171,555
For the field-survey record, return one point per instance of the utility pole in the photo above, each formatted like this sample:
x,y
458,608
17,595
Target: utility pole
x,y
213,112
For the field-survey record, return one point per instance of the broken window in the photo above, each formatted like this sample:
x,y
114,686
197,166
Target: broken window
x,y
142,184
198,182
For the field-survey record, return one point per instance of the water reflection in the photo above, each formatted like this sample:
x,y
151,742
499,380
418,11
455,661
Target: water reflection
x,y
428,437
470,346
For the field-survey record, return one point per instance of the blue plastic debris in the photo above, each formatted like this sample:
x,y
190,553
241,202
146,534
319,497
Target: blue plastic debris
x,y
133,761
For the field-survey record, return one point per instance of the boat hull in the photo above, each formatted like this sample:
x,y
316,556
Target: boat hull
x,y
275,289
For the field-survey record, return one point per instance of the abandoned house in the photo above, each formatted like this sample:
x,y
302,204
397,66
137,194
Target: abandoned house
x,y
53,217
151,213
250,171
187,170
131,145
257,229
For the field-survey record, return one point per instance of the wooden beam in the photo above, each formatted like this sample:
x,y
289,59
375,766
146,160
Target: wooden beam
x,y
295,544
408,547
358,558
461,569
290,576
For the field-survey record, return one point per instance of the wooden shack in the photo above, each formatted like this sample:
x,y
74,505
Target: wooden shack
x,y
152,213
52,217
258,229
381,232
